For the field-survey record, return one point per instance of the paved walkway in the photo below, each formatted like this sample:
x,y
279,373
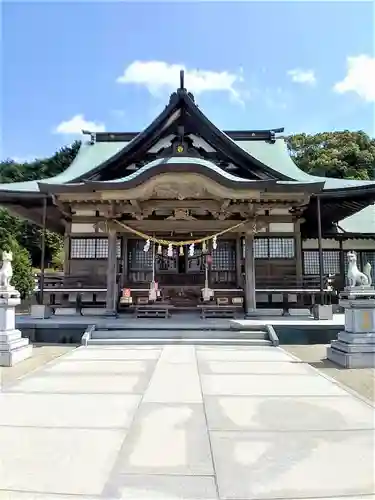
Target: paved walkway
x,y
183,422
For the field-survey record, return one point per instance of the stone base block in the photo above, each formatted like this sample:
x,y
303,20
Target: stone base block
x,y
40,311
360,320
323,312
10,358
264,312
357,338
65,311
10,336
14,344
353,348
351,360
299,312
96,311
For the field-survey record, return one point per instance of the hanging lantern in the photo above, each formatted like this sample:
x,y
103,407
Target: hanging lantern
x,y
214,243
181,250
146,248
170,250
191,250
160,250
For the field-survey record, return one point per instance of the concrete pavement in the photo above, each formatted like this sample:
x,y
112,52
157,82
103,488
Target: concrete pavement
x,y
183,422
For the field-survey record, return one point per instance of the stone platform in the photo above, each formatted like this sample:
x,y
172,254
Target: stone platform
x,y
183,423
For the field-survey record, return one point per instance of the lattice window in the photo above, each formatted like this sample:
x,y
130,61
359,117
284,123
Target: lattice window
x,y
310,262
274,248
77,248
224,257
261,248
281,248
82,248
331,262
102,249
138,259
92,248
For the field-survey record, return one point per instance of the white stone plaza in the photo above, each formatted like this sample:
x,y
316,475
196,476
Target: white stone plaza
x,y
183,422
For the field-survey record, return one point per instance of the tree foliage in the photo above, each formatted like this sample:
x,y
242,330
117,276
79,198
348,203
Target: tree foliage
x,y
344,155
27,234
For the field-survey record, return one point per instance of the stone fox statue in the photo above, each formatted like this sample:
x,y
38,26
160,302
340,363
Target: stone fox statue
x,y
6,271
355,277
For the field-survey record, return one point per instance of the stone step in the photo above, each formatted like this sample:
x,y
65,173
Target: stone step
x,y
179,334
161,325
14,345
10,336
183,341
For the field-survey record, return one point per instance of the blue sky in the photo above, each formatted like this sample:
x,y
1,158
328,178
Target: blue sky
x,y
307,66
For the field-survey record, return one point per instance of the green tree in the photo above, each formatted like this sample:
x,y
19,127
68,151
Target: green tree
x,y
27,234
23,276
344,155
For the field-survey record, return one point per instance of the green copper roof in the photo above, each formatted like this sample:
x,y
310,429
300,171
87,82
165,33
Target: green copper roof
x,y
362,222
276,156
88,157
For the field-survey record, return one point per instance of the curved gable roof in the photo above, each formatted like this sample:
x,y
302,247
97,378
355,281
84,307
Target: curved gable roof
x,y
181,164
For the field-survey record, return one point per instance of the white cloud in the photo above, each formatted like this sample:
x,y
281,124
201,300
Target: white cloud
x,y
157,76
360,78
302,76
76,124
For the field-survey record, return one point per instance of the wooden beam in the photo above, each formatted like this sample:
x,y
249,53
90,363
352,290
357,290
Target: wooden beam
x,y
165,224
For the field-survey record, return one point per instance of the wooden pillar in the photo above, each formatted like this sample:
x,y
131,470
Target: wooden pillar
x,y
209,266
124,256
320,248
67,237
239,282
43,251
111,272
250,296
299,253
342,264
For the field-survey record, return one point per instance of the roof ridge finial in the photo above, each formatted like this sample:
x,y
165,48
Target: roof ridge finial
x,y
182,79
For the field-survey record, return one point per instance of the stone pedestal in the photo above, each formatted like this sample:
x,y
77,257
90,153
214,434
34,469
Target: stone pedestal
x,y
13,348
39,311
322,312
355,347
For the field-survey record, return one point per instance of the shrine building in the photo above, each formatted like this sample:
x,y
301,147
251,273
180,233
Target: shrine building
x,y
186,205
